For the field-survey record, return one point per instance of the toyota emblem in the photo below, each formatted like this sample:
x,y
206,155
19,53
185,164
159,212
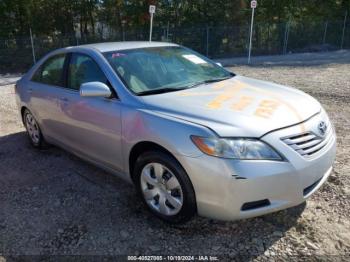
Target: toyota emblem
x,y
322,127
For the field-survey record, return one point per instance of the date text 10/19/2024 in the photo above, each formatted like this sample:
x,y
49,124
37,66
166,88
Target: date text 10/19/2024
x,y
173,258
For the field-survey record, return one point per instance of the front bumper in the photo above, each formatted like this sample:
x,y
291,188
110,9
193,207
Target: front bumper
x,y
229,189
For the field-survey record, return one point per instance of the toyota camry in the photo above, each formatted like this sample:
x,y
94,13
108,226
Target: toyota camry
x,y
193,137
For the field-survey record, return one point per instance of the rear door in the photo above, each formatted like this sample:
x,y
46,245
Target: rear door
x,y
45,89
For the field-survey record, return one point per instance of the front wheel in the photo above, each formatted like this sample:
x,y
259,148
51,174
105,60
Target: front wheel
x,y
165,187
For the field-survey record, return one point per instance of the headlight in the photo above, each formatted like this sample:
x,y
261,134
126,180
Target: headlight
x,y
236,148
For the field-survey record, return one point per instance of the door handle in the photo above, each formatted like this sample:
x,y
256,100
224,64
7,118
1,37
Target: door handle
x,y
30,90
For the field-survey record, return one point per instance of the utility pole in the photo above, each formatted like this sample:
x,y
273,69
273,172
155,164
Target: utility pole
x,y
167,32
123,27
286,37
152,10
342,38
32,43
325,32
253,5
207,43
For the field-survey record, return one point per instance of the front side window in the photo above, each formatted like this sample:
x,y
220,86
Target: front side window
x,y
83,69
149,70
51,72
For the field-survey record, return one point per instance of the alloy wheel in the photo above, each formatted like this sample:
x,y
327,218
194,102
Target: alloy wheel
x,y
32,128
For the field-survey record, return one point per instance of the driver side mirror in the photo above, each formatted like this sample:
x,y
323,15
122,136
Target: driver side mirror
x,y
95,89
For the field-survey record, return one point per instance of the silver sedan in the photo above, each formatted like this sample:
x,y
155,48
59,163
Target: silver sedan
x,y
192,136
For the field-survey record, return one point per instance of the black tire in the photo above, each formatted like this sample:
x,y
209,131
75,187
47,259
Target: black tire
x,y
189,207
40,142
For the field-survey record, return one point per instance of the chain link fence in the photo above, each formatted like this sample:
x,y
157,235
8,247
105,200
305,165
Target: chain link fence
x,y
19,54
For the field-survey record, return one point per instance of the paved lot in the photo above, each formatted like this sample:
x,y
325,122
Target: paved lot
x,y
300,59
54,203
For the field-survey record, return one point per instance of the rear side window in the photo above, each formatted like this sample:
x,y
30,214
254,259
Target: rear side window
x,y
83,69
51,72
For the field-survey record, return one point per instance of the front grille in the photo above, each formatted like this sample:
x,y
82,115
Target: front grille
x,y
308,143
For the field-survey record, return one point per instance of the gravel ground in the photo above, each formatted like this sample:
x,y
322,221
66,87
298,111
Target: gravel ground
x,y
8,79
54,203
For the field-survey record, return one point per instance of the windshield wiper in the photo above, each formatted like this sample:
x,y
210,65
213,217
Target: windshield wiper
x,y
159,91
172,89
209,81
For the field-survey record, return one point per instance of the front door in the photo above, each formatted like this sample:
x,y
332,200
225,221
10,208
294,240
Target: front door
x,y
93,124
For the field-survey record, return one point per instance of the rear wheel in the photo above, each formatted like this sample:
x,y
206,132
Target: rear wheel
x,y
165,187
33,130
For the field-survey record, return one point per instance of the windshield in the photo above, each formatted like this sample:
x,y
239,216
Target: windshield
x,y
164,69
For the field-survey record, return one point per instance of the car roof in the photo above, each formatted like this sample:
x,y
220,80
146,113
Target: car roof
x,y
115,46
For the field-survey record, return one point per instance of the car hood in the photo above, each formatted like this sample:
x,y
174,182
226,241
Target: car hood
x,y
239,106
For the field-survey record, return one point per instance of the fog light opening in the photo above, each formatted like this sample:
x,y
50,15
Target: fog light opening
x,y
255,204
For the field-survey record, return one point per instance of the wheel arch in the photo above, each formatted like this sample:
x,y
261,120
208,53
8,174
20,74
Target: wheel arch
x,y
146,146
23,108
142,147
